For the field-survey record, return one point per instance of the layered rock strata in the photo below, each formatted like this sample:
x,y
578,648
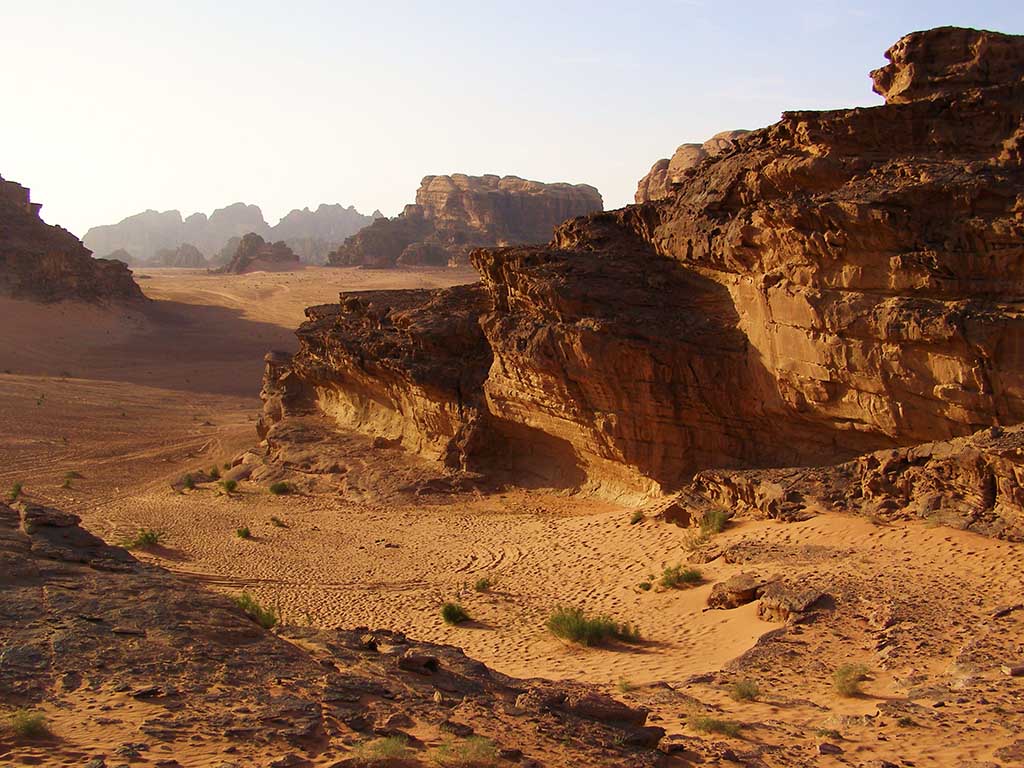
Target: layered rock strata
x,y
840,282
453,214
665,173
47,263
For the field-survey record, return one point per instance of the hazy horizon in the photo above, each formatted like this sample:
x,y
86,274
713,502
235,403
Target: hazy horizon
x,y
195,108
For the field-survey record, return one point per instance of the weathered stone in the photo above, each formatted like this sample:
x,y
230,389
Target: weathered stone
x,y
738,590
254,254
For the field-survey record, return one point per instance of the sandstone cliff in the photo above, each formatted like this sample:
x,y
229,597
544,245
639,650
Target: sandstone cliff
x,y
184,256
454,214
659,181
256,254
47,263
840,282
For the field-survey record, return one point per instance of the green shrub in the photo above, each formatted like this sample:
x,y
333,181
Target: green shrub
x,y
645,586
228,486
146,538
483,584
265,617
474,752
277,522
706,724
386,750
624,685
188,481
280,489
453,613
636,517
214,473
15,492
744,690
574,625
676,576
28,725
243,532
847,679
713,521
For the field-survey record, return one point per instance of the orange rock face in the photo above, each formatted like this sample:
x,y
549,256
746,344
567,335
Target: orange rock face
x,y
47,263
840,282
659,181
454,214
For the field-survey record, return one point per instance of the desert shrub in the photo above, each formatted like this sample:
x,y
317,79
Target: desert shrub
x,y
847,679
474,752
214,473
144,539
645,586
390,748
188,481
706,724
676,576
713,521
228,486
574,625
280,489
624,685
265,617
27,724
483,584
15,492
636,517
277,522
243,532
744,690
453,613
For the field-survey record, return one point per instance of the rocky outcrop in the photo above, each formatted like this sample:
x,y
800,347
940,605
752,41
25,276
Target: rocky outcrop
x,y
47,263
841,282
454,214
184,256
659,181
256,254
86,628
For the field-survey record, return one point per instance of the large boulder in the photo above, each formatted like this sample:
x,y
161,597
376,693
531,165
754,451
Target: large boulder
x,y
256,254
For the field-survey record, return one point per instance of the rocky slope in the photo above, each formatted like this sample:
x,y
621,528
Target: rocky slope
x,y
129,662
659,181
453,214
311,234
841,282
184,256
47,263
254,253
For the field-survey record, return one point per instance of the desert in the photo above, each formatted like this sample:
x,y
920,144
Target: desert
x,y
729,474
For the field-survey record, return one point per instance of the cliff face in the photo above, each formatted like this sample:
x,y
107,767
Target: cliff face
x,y
659,181
453,214
184,256
47,263
254,254
840,282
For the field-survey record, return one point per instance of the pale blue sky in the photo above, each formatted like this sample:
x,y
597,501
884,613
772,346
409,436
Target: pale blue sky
x,y
113,107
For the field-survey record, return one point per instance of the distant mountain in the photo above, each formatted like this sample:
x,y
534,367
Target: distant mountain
x,y
144,236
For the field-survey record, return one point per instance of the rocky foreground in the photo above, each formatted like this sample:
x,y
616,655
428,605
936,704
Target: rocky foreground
x,y
454,214
41,262
836,284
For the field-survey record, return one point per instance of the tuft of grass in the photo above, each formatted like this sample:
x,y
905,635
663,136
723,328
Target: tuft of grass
x,y
574,625
675,576
636,517
214,472
243,532
645,586
15,492
906,722
474,752
453,613
189,482
483,584
713,521
624,685
280,489
386,750
847,679
828,733
28,725
265,617
706,724
744,690
146,538
228,486
277,522
227,465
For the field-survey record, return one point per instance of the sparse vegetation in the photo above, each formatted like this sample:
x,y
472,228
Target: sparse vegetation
x,y
453,613
382,750
744,690
713,521
189,482
15,492
906,722
146,538
228,486
26,724
624,685
243,532
483,584
706,724
265,617
227,465
277,522
675,576
645,586
280,488
847,679
214,472
474,752
574,625
636,517
828,733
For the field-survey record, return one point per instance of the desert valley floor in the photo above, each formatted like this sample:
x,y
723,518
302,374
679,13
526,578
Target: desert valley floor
x,y
130,401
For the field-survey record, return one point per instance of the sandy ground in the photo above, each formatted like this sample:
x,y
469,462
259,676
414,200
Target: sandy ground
x,y
131,400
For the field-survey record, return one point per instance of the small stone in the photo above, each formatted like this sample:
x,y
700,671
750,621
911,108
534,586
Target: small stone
x,y
826,748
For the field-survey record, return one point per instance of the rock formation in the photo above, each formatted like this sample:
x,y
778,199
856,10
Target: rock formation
x,y
47,263
184,256
454,214
311,234
665,173
255,254
93,634
842,282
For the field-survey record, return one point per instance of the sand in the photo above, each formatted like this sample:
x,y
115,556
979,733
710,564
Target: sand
x,y
132,400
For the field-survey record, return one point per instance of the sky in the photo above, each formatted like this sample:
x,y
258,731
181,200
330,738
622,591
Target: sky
x,y
110,108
